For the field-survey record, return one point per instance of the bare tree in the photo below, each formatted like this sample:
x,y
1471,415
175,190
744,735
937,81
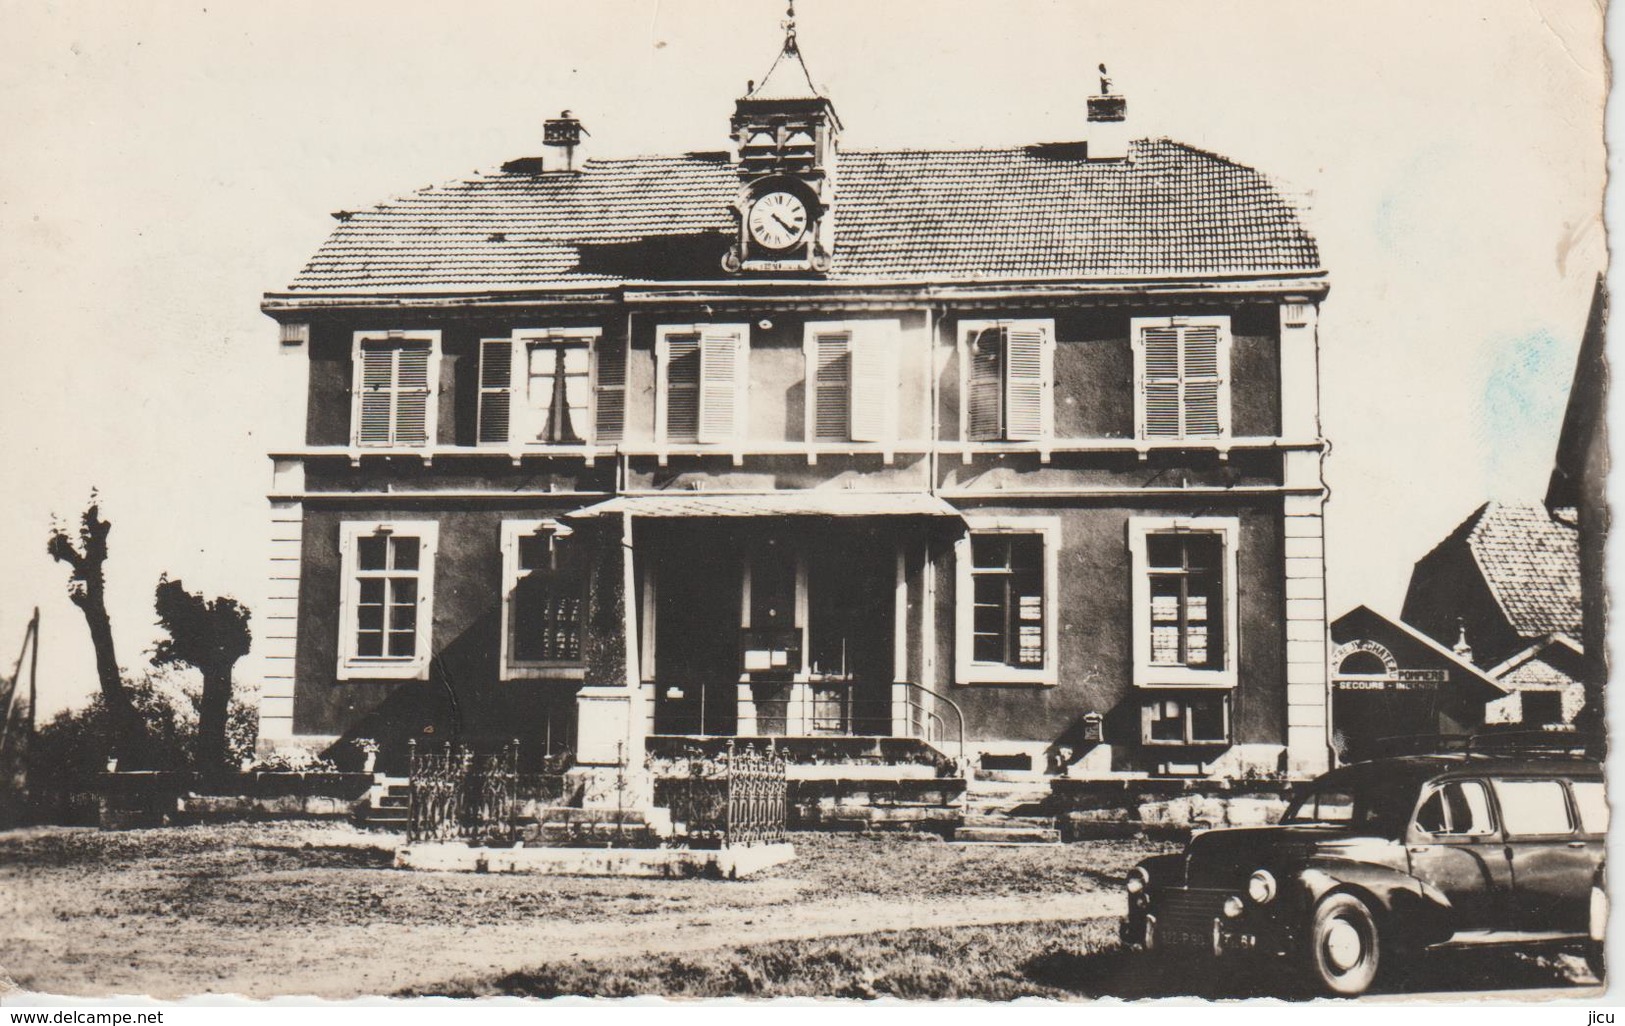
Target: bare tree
x,y
209,636
87,589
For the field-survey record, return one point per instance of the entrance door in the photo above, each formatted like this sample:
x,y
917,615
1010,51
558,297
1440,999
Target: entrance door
x,y
851,586
696,630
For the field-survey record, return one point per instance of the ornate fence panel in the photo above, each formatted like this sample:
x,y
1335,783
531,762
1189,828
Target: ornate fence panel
x,y
757,796
457,794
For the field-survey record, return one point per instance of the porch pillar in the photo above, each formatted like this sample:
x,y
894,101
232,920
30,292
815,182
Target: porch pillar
x,y
610,707
900,678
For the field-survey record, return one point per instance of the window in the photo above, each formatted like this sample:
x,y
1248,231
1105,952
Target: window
x,y
1184,594
1542,707
552,387
1592,804
544,600
851,381
1182,367
702,373
395,377
1007,374
1186,720
1457,808
1007,622
1533,807
387,602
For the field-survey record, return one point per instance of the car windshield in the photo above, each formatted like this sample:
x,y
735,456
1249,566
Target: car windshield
x,y
1369,804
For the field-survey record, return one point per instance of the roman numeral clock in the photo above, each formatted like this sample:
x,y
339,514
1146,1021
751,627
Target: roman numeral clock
x,y
786,130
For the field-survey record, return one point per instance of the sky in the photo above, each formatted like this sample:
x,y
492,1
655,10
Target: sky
x,y
167,163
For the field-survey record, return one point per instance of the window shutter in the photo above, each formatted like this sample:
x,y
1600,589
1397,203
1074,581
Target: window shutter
x,y
682,387
1028,367
984,356
609,390
412,395
722,369
1160,353
1202,379
496,390
835,379
377,394
874,382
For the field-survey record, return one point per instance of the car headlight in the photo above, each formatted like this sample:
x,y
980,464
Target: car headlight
x,y
1232,907
1261,887
1137,879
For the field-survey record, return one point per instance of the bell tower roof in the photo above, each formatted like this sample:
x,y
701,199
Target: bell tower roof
x,y
788,81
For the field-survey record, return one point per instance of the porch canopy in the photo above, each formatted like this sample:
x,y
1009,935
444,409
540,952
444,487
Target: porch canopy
x,y
810,503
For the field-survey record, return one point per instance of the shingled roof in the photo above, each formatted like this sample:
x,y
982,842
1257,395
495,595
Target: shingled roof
x,y
1531,561
1170,210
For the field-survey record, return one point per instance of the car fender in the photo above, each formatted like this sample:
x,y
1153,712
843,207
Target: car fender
x,y
1389,888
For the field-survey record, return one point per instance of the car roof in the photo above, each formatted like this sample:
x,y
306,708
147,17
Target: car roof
x,y
1415,769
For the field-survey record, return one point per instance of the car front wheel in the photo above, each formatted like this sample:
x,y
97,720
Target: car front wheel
x,y
1344,949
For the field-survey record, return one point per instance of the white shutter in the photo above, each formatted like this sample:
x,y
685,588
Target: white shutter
x,y
1203,380
833,379
1160,381
376,402
681,387
496,391
412,395
609,390
984,376
874,398
1029,367
723,366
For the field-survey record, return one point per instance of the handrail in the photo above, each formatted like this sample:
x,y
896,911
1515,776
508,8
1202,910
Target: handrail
x,y
958,712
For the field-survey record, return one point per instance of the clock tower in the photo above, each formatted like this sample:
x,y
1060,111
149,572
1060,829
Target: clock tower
x,y
785,131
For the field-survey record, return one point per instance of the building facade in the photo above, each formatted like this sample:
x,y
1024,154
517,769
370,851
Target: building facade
x,y
1008,453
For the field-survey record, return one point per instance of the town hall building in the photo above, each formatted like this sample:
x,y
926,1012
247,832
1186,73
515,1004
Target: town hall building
x,y
1009,455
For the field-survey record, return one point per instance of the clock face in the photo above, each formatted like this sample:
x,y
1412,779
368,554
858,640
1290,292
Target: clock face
x,y
778,220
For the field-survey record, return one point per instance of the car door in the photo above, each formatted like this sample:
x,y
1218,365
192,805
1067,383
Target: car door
x,y
1552,862
1454,843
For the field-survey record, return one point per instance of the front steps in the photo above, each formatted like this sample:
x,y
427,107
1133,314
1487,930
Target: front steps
x,y
1006,810
386,804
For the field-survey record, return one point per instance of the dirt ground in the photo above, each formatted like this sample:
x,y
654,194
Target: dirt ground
x,y
295,909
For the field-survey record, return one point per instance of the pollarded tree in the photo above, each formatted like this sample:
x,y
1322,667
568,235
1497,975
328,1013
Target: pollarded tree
x,y
87,588
209,636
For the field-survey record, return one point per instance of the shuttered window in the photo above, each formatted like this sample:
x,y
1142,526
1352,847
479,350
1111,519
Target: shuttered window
x,y
852,381
387,603
1183,366
544,602
1008,379
394,389
703,382
541,386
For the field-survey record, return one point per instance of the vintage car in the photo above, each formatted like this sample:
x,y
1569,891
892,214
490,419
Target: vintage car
x,y
1379,860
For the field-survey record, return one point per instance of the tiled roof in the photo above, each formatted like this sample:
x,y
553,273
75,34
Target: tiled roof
x,y
812,502
928,215
1531,561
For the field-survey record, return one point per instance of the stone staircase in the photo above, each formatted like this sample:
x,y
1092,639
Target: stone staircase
x,y
1007,810
386,805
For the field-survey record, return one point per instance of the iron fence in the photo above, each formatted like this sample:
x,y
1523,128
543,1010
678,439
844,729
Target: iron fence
x,y
457,795
739,797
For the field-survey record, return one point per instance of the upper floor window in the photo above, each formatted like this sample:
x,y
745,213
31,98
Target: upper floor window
x,y
851,381
1184,599
396,374
1007,375
1007,624
1182,370
544,600
552,386
702,382
387,601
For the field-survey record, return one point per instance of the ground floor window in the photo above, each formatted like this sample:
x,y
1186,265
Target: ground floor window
x,y
387,600
1186,720
1007,616
544,599
1184,599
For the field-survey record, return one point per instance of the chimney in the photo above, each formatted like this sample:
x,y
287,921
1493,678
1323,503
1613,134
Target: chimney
x,y
1108,129
561,143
